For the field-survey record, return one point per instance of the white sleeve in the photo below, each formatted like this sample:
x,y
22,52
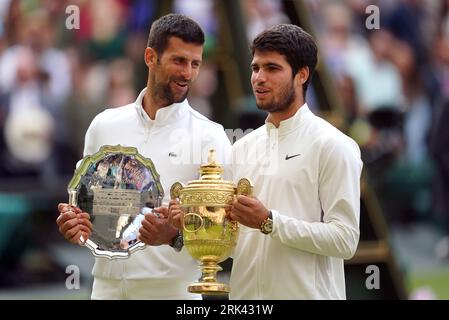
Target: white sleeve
x,y
339,192
91,142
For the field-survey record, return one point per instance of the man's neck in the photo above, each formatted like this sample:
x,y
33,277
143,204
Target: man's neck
x,y
152,104
276,117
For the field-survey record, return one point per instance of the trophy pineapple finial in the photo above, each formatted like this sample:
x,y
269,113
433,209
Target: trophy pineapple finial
x,y
211,170
211,157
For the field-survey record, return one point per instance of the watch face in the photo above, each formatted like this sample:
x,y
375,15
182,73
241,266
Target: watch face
x,y
267,226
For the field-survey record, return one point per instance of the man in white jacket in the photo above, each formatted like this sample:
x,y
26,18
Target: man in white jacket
x,y
162,126
303,220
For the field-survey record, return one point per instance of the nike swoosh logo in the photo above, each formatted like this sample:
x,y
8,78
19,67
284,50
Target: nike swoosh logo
x,y
287,157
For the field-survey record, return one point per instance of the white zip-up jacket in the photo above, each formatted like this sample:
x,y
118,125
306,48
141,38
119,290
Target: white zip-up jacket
x,y
177,141
308,174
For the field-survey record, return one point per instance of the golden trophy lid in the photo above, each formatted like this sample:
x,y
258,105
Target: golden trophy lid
x,y
211,170
211,181
211,175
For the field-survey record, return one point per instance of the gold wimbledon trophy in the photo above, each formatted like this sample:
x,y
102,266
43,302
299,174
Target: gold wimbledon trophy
x,y
208,233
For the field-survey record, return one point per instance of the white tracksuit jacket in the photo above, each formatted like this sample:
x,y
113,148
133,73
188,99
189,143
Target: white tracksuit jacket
x,y
308,173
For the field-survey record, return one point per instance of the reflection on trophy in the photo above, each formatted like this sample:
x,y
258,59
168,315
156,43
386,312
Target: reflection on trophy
x,y
116,186
208,234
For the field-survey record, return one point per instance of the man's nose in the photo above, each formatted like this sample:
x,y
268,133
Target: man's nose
x,y
259,77
187,72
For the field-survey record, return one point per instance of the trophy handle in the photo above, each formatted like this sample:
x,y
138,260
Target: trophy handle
x,y
244,187
193,215
175,190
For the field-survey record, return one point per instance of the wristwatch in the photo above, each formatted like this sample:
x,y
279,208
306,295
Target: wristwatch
x,y
267,225
177,242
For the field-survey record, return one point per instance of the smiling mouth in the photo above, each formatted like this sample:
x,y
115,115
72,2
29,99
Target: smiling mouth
x,y
181,84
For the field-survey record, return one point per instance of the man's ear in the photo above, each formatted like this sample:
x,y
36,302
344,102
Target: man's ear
x,y
150,57
302,76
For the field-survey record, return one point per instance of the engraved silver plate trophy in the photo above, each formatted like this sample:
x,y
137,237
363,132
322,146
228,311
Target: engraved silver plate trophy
x,y
116,186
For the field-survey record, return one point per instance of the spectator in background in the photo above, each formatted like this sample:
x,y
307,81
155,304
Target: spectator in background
x,y
439,140
377,80
261,14
35,80
339,41
409,21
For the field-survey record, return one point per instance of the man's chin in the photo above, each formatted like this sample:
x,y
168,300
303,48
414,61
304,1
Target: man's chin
x,y
265,107
180,98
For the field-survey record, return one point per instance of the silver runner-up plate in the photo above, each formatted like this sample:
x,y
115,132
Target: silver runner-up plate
x,y
116,186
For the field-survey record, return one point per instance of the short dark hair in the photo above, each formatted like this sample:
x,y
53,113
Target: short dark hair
x,y
298,47
176,25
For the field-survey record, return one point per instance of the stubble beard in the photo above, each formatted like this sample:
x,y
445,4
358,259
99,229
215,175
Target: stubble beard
x,y
164,93
287,96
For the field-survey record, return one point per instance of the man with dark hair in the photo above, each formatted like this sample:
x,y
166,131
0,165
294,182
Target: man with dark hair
x,y
162,126
304,217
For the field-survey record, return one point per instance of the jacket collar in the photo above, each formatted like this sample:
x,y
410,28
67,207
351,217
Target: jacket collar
x,y
165,115
290,124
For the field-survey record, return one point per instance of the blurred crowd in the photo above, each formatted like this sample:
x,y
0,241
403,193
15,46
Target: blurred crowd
x,y
393,83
